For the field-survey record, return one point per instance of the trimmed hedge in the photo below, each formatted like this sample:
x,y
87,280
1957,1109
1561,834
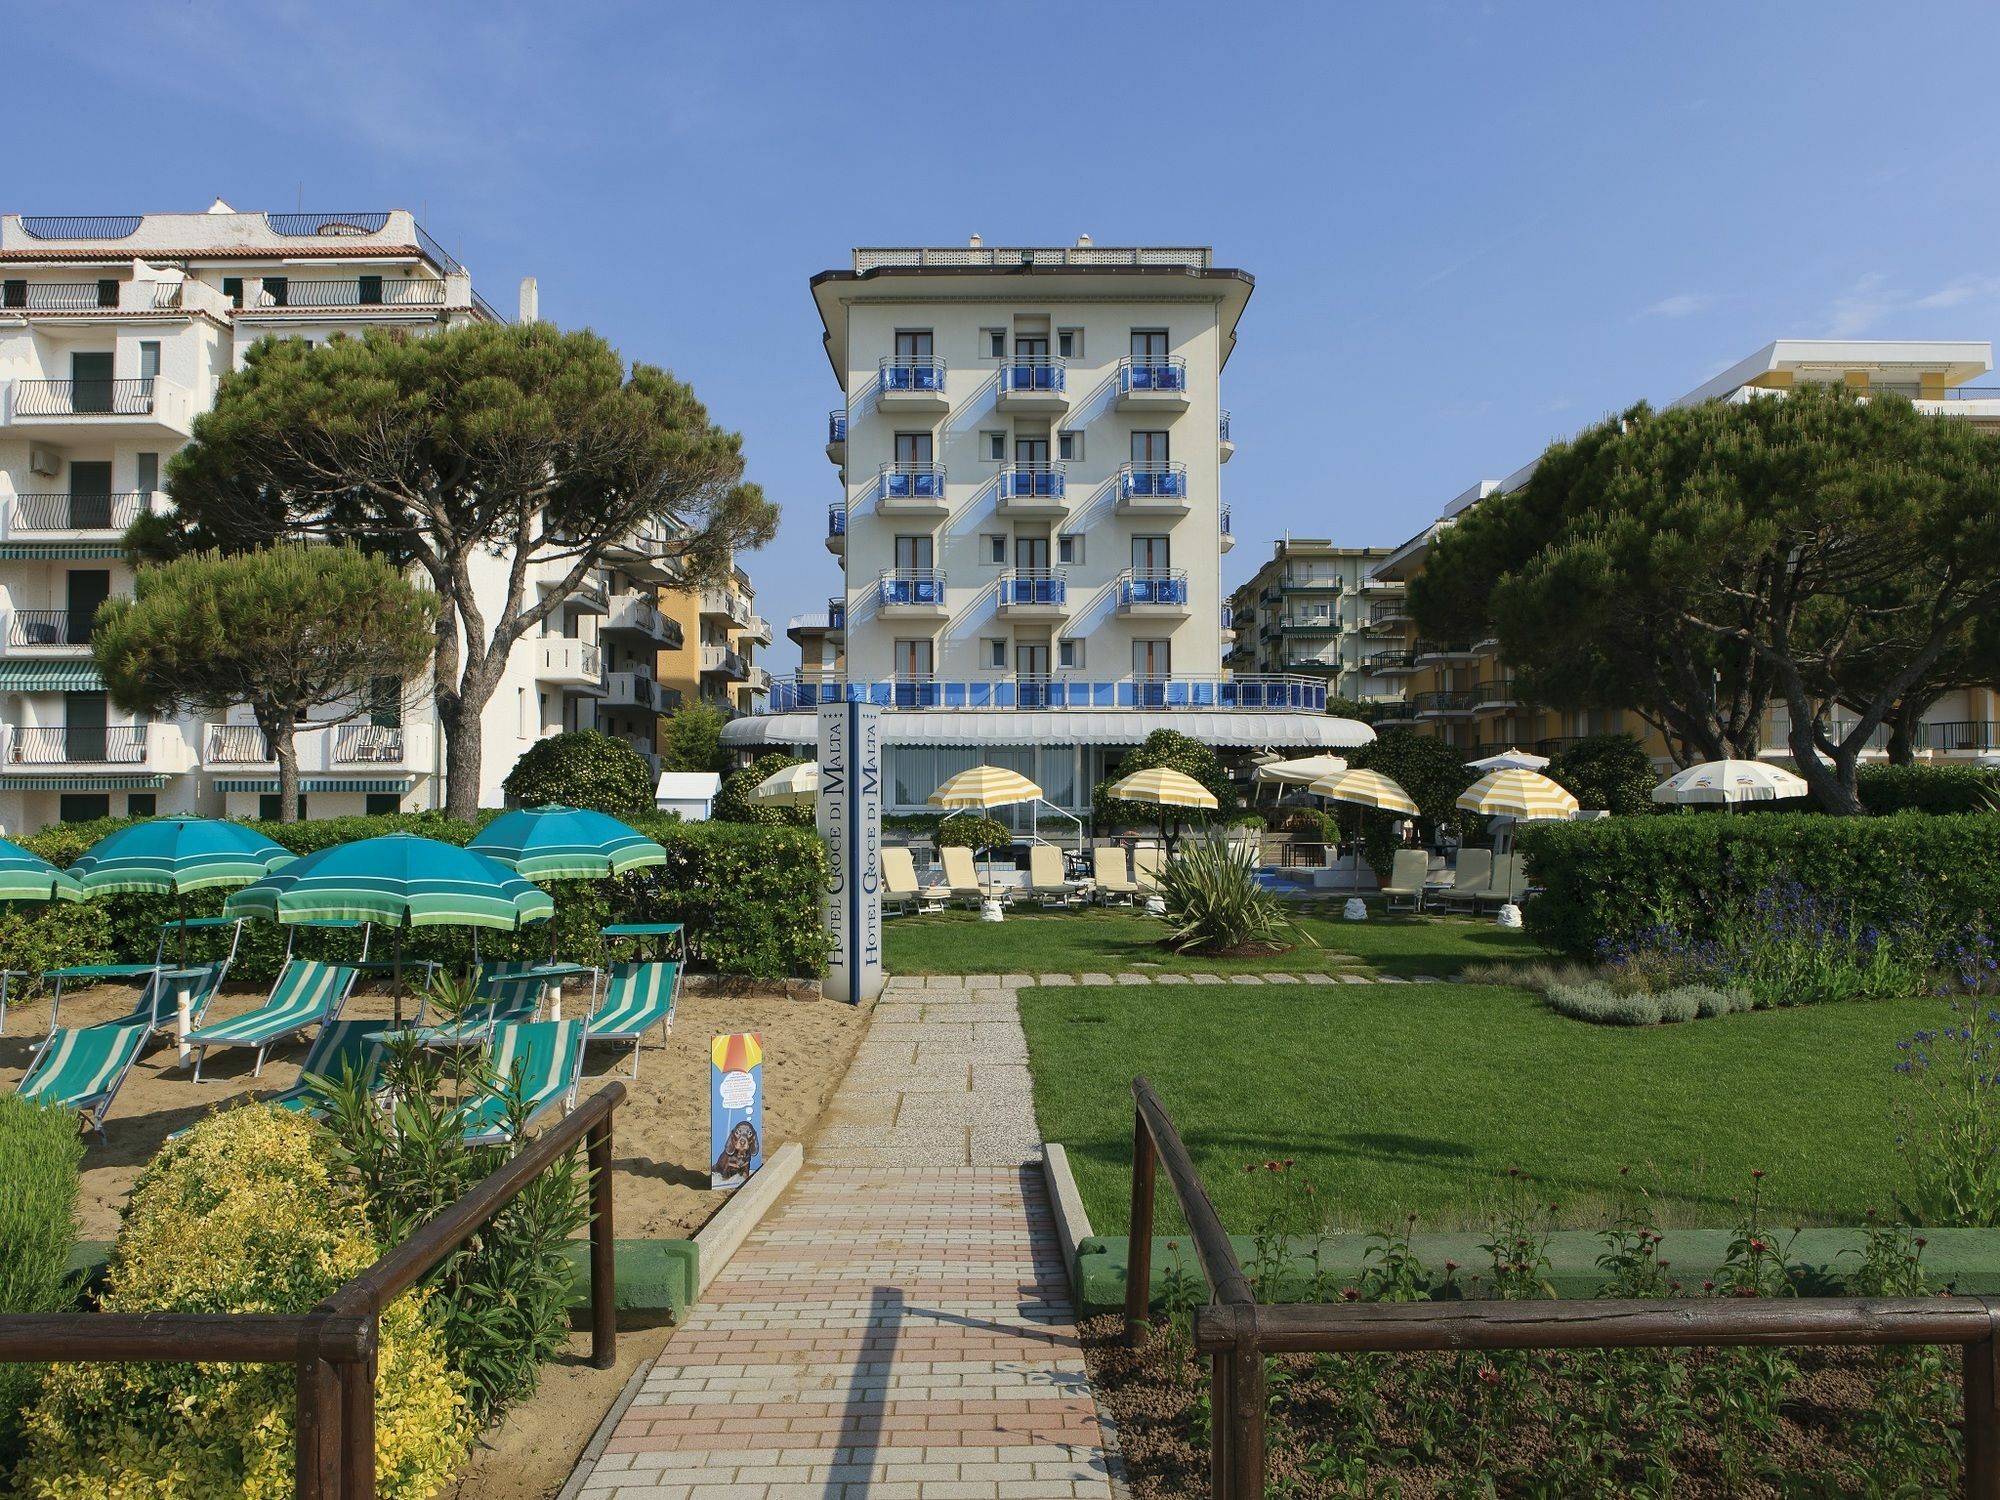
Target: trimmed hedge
x,y
41,1154
1928,788
1618,877
750,895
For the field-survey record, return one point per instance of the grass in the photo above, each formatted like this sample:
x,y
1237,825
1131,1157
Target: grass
x,y
1419,1098
1111,942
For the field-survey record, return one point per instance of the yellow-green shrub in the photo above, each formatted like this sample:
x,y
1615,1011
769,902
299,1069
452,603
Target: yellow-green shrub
x,y
246,1213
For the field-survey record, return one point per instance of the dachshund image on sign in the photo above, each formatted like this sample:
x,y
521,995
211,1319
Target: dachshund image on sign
x,y
738,1151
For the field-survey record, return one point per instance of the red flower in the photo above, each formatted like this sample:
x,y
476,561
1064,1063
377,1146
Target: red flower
x,y
1350,1294
1451,1265
1488,1374
1756,1174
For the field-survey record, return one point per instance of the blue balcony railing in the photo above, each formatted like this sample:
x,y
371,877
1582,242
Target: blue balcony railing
x,y
1283,693
1152,482
1031,482
836,426
919,374
836,614
910,482
836,520
1143,587
1033,586
909,586
1169,374
1222,428
1228,523
1023,376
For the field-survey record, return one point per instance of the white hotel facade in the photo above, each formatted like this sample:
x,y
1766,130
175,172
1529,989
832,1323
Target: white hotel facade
x,y
114,331
1031,446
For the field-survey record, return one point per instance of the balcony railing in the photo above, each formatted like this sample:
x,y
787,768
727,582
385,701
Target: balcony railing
x,y
1389,614
50,511
1043,481
1152,482
84,398
1025,376
1168,374
836,614
836,425
58,296
1488,693
1449,701
1227,525
1033,586
1305,578
727,603
116,745
1222,427
359,291
566,659
1282,692
836,520
909,586
724,660
1443,648
367,744
1162,586
1390,661
1960,734
234,745
634,690
910,482
49,627
919,375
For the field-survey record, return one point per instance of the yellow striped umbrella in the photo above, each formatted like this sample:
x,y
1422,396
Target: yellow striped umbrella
x,y
1163,788
984,787
794,786
1517,794
1368,788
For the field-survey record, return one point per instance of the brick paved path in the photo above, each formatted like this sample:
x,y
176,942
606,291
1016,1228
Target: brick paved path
x,y
893,1332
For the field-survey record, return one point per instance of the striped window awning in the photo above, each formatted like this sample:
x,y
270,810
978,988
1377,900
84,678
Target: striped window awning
x,y
60,551
29,676
400,785
135,781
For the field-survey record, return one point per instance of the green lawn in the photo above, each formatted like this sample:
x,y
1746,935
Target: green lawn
x,y
1419,1098
1108,941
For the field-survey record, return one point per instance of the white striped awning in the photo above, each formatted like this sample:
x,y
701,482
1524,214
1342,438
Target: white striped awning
x,y
1221,729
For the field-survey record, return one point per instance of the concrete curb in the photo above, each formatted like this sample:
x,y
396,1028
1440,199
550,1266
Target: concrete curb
x,y
1072,1221
593,1450
724,1234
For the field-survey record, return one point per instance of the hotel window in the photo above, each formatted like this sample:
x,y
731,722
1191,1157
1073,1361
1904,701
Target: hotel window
x,y
1069,655
1149,449
996,653
232,288
912,343
149,359
1152,661
996,549
1069,343
1069,446
147,472
913,661
1069,548
1149,345
993,342
913,554
913,448
1151,554
279,290
993,447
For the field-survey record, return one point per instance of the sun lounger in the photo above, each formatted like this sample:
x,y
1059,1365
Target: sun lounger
x,y
509,1001
81,1068
542,1059
964,880
1147,862
900,886
1474,868
1046,881
308,993
637,997
1407,873
343,1049
1108,872
1509,882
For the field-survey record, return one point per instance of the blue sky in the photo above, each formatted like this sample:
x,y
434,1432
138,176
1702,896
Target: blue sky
x,y
1473,227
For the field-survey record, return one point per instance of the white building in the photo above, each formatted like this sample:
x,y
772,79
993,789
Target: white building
x,y
1031,445
114,332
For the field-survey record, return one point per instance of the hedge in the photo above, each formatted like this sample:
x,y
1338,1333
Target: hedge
x,y
750,895
1617,877
1928,788
41,1153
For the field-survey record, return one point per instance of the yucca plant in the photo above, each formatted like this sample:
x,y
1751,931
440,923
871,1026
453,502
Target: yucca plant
x,y
1214,901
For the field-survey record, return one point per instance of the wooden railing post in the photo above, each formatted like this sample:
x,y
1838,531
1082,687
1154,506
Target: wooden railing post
x,y
603,1269
1982,1412
357,1426
1246,1442
317,1460
1139,1238
1221,1425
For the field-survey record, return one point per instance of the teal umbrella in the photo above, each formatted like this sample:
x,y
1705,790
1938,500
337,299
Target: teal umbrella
x,y
399,881
29,877
565,843
173,856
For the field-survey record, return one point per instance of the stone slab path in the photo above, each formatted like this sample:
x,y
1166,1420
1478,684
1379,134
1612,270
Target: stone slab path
x,y
901,1328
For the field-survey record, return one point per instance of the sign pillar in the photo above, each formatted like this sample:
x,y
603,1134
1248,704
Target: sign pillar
x,y
850,820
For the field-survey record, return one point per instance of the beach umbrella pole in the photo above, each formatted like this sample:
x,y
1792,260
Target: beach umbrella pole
x,y
396,981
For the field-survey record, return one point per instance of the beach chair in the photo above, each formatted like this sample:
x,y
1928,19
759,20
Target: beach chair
x,y
1465,892
545,1059
308,993
901,887
82,1068
1147,862
1407,873
1474,868
492,975
637,997
1046,881
342,1049
503,1002
1108,871
964,880
1509,883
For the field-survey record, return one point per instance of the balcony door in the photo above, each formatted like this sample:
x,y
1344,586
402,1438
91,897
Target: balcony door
x,y
1032,450
913,555
84,734
1149,346
90,382
1031,659
1152,661
912,344
1151,555
1031,554
90,496
88,588
913,450
913,661
1149,450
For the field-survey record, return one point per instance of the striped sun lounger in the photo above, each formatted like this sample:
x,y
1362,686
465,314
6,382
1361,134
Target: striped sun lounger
x,y
505,1002
545,1060
637,998
308,993
341,1049
81,1068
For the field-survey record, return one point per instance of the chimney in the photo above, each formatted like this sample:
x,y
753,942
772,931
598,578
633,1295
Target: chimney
x,y
1083,242
530,301
975,242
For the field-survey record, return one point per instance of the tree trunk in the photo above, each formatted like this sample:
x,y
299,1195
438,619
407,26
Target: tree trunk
x,y
1902,746
1832,785
462,715
281,734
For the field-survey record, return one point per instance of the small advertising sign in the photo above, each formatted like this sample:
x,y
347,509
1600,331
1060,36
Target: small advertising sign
x,y
735,1107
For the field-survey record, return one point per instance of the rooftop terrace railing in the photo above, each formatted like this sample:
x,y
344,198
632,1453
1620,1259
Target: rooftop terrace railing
x,y
1236,1331
873,258
1267,692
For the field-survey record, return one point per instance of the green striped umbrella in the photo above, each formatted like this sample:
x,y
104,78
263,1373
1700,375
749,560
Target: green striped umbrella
x,y
565,843
173,856
29,877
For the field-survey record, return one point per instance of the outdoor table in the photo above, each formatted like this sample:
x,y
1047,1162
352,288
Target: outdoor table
x,y
638,930
552,975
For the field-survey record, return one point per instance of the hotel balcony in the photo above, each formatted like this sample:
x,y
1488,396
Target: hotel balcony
x,y
1496,698
760,679
911,385
836,528
321,748
757,631
1153,385
911,593
633,690
836,435
1273,692
1226,446
724,661
591,598
1032,385
1387,619
1153,490
1433,653
1301,657
1227,539
1032,490
1159,594
57,514
1451,703
725,604
836,619
636,615
56,632
99,745
1389,663
139,409
1034,594
911,490
573,665
373,293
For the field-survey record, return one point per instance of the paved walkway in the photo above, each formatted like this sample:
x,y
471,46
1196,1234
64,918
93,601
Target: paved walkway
x,y
901,1328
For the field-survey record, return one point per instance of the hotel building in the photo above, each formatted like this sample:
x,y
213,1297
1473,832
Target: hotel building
x,y
1031,444
1315,608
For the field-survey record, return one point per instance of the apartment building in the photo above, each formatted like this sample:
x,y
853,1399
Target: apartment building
x,y
1309,609
1031,523
1463,691
723,632
114,331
